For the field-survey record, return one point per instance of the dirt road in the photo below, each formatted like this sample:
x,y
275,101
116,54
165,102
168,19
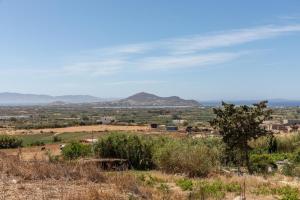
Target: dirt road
x,y
76,129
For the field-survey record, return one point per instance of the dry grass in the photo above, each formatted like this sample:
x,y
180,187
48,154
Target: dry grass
x,y
41,170
43,180
33,153
21,179
91,128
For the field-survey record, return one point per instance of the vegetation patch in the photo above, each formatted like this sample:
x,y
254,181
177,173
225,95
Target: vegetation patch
x,y
215,189
285,192
76,150
188,157
7,142
185,184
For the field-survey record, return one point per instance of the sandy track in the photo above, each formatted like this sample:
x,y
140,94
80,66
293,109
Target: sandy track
x,y
76,129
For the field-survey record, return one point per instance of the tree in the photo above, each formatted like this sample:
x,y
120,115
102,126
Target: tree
x,y
240,124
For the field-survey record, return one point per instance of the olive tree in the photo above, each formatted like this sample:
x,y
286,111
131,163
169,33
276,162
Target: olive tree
x,y
239,124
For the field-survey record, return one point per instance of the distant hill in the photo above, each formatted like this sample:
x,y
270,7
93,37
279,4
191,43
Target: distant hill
x,y
33,99
146,99
139,99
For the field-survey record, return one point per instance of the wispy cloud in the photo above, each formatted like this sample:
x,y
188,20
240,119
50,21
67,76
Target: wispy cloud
x,y
183,52
102,67
184,61
227,39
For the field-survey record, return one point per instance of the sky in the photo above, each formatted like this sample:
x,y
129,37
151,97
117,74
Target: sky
x,y
204,50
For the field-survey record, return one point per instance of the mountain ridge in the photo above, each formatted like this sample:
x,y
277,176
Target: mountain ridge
x,y
12,98
138,99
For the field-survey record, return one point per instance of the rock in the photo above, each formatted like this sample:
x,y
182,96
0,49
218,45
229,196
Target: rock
x,y
14,181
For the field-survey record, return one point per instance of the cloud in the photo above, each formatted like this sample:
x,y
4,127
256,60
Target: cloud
x,y
182,52
226,39
171,62
103,67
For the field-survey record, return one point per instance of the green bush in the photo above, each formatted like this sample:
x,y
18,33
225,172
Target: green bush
x,y
185,184
56,139
37,143
136,149
7,142
187,156
296,156
75,150
291,169
214,190
288,193
261,162
285,192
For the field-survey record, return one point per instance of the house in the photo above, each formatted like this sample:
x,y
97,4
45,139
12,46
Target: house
x,y
291,121
268,124
8,117
106,120
280,128
154,126
89,141
179,121
171,128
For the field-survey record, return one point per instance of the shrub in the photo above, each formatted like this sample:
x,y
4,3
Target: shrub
x,y
296,156
260,163
288,193
185,184
9,142
291,169
56,139
186,156
215,189
75,150
285,192
37,143
136,149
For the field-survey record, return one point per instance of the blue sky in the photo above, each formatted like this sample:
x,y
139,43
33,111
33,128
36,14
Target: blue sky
x,y
206,50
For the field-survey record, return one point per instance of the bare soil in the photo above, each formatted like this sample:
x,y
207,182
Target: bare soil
x,y
92,128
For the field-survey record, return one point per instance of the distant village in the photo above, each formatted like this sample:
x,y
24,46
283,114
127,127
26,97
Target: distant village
x,y
285,125
276,126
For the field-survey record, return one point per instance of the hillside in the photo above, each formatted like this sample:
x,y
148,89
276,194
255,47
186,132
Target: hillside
x,y
146,99
139,99
33,99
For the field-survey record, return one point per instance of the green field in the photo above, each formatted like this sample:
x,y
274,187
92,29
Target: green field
x,y
47,138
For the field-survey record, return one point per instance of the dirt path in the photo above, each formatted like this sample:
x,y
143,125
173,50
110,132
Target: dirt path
x,y
76,129
34,153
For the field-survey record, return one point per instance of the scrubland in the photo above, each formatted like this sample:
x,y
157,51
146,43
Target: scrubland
x,y
159,168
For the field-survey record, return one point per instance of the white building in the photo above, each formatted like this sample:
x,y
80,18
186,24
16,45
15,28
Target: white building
x,y
107,120
179,121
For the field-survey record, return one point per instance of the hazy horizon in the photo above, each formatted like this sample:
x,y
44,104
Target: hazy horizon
x,y
203,50
121,97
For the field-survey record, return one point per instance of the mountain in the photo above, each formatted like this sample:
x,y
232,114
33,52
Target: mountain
x,y
139,99
33,99
146,99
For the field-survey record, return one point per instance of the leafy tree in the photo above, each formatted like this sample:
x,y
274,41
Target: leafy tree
x,y
240,124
